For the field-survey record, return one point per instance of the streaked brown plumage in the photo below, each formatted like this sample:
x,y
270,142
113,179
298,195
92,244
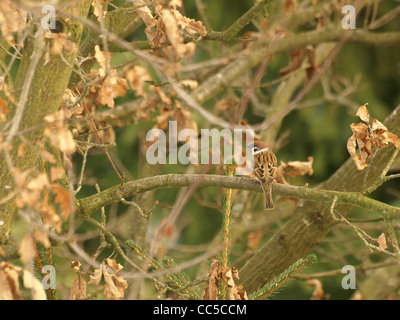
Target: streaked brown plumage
x,y
265,167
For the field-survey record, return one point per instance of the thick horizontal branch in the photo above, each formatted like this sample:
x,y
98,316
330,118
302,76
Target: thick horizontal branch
x,y
91,204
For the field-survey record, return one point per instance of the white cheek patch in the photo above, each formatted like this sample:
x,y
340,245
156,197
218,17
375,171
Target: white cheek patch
x,y
261,151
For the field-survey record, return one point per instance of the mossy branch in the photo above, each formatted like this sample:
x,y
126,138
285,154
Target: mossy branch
x,y
91,204
240,23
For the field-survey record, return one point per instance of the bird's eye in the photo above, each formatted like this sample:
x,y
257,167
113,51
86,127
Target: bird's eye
x,y
255,149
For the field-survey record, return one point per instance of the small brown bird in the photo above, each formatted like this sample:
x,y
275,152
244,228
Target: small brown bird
x,y
265,167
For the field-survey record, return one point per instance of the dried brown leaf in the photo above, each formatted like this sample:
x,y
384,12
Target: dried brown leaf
x,y
44,155
111,85
382,135
164,98
51,218
115,285
96,277
145,13
190,25
56,173
226,276
6,90
63,199
20,177
58,132
294,168
175,3
235,292
172,32
40,182
75,265
21,150
9,283
382,242
35,286
363,113
60,43
78,288
352,149
138,76
42,237
27,249
318,293
99,8
3,110
184,119
192,84
12,20
103,58
211,291
365,136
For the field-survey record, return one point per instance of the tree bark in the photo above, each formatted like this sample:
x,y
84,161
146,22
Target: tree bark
x,y
312,221
44,97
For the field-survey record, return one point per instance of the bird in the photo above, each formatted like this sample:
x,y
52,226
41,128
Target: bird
x,y
264,169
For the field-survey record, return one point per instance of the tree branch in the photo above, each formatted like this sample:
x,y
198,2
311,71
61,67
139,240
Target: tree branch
x,y
222,79
91,204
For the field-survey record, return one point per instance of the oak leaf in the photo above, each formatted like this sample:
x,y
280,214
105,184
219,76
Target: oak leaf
x,y
366,136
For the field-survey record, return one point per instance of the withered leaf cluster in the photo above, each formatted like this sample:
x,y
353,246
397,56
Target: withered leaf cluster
x,y
168,27
12,20
115,284
220,277
11,284
34,192
58,132
294,168
367,137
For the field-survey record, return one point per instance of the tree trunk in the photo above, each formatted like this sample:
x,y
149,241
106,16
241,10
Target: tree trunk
x,y
312,221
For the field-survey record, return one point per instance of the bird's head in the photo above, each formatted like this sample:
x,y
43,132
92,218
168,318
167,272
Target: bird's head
x,y
258,147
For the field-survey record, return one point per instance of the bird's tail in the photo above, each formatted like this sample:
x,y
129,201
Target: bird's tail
x,y
269,204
